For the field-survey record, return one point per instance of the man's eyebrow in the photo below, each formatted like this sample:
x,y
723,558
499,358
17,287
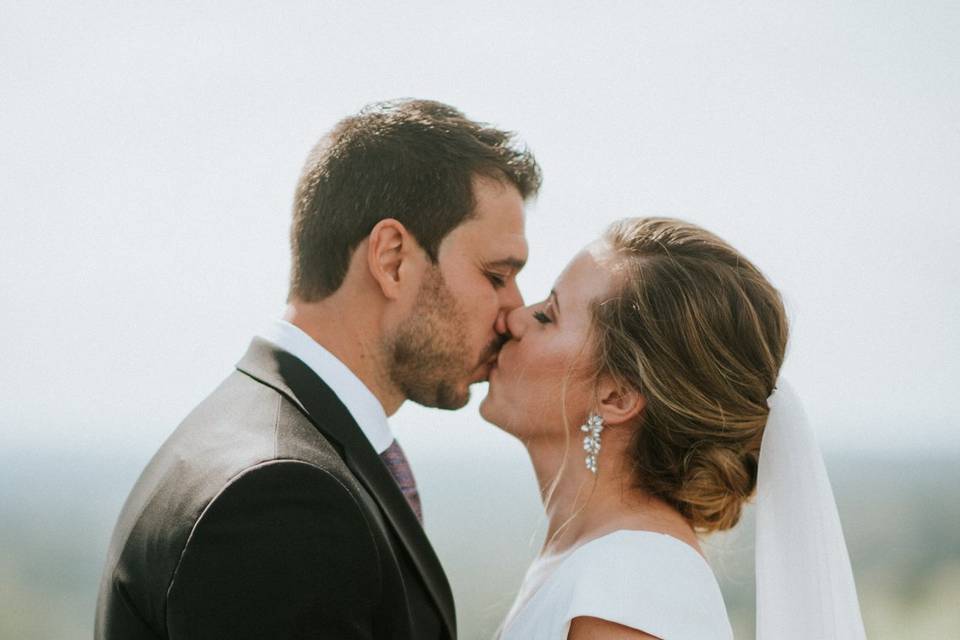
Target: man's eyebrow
x,y
513,263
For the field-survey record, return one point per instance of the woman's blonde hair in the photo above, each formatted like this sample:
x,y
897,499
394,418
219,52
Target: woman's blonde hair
x,y
699,331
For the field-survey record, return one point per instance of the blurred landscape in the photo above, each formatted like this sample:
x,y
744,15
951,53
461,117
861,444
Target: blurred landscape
x,y
900,515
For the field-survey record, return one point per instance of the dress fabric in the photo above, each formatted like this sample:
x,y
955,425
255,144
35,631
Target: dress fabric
x,y
640,579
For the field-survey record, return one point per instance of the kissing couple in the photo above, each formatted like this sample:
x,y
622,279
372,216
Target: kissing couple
x,y
644,386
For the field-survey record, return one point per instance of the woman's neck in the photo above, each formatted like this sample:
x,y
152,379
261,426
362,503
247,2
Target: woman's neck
x,y
581,506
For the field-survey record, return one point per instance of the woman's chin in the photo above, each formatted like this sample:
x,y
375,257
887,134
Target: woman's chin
x,y
486,408
490,411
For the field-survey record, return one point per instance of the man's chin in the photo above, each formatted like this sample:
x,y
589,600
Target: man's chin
x,y
452,397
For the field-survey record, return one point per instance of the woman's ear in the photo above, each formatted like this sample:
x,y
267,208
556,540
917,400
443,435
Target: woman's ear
x,y
618,404
388,252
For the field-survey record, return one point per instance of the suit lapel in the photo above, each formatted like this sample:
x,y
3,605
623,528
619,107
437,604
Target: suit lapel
x,y
295,380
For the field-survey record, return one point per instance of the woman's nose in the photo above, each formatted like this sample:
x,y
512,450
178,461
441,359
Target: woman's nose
x,y
515,322
510,300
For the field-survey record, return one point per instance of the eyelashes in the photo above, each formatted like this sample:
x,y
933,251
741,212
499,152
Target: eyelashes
x,y
541,317
496,280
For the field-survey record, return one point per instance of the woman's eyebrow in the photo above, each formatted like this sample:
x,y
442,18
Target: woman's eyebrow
x,y
556,299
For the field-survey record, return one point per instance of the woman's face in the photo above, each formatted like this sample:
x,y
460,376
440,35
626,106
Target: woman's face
x,y
547,367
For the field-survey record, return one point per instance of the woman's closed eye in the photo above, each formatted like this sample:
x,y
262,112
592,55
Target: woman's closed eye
x,y
541,317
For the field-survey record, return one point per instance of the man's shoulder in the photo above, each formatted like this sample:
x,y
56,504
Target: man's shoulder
x,y
243,424
245,439
252,413
239,426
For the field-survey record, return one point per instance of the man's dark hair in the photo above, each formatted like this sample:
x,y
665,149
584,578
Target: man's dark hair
x,y
412,160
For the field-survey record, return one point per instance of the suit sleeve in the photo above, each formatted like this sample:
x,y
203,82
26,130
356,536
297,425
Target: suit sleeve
x,y
284,551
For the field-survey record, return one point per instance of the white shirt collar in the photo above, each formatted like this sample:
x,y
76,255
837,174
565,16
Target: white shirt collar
x,y
359,400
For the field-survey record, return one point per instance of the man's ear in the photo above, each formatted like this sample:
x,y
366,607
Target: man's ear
x,y
618,404
390,250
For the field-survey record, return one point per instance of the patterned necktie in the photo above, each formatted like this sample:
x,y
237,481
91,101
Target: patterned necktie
x,y
399,468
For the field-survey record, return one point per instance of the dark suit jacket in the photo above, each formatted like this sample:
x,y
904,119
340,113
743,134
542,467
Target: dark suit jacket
x,y
267,514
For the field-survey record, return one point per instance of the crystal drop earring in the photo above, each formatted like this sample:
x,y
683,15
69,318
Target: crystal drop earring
x,y
591,442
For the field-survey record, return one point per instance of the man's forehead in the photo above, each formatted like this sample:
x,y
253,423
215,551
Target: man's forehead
x,y
498,207
502,252
500,232
494,233
497,240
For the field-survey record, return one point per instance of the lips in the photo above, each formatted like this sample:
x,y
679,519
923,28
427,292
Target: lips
x,y
491,364
498,358
490,359
485,368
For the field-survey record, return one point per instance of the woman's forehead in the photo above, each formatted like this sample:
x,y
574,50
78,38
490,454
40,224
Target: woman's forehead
x,y
586,276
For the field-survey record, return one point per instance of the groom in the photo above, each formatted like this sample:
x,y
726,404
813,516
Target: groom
x,y
282,507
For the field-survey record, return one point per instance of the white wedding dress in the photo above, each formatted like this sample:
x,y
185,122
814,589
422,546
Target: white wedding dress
x,y
640,579
660,585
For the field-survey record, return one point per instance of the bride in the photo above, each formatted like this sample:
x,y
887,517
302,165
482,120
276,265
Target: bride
x,y
640,389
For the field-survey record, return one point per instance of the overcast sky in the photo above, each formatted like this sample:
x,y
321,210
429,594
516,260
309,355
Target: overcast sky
x,y
149,151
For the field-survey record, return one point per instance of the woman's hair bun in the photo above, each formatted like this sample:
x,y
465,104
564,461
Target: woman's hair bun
x,y
701,333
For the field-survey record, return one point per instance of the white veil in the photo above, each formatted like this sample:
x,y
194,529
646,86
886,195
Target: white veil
x,y
805,587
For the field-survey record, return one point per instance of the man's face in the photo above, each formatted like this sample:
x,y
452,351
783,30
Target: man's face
x,y
450,339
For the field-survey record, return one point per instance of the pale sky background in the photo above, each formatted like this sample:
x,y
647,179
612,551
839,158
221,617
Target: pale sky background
x,y
149,151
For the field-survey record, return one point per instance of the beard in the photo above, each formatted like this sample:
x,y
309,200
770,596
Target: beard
x,y
428,357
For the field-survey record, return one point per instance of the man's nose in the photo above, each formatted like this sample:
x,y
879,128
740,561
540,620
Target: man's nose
x,y
512,298
500,326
